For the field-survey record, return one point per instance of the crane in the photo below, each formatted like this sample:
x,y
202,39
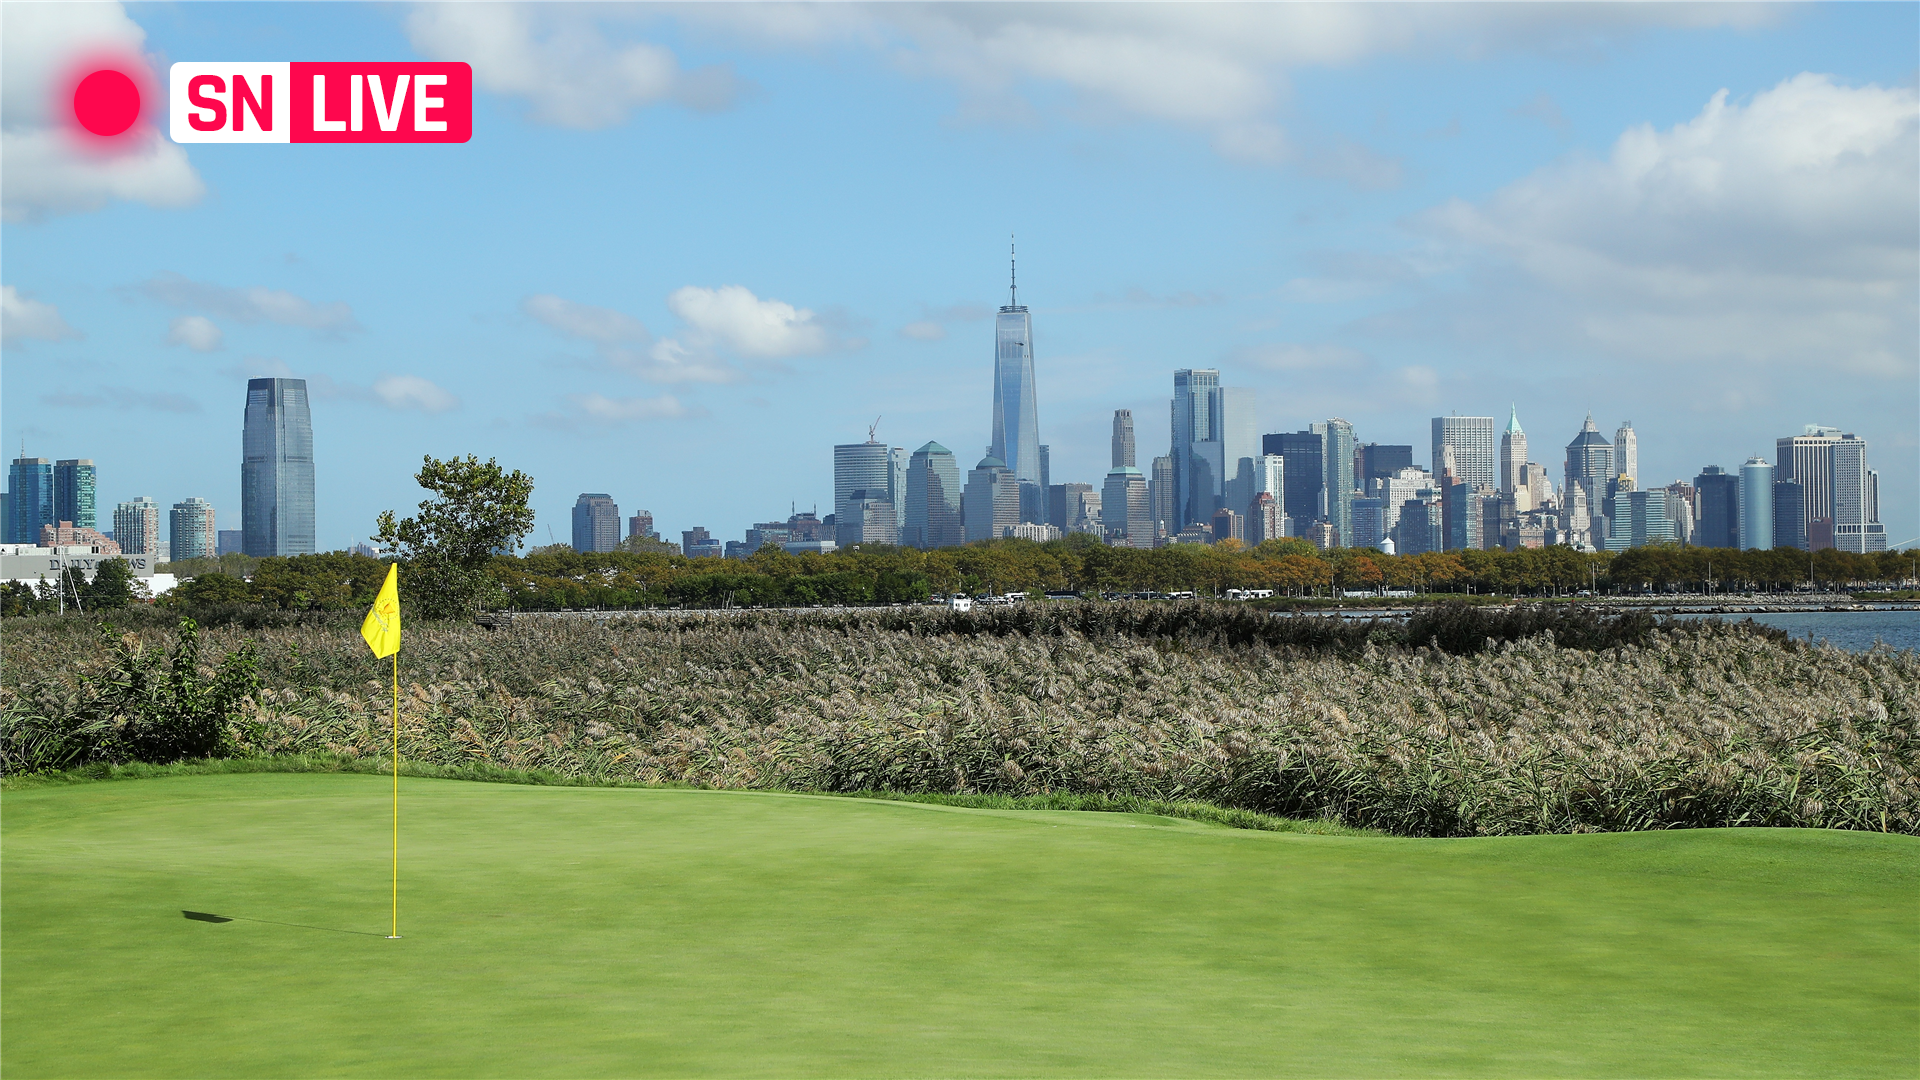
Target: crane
x,y
871,429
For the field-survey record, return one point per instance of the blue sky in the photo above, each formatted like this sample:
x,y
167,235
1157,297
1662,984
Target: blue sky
x,y
690,249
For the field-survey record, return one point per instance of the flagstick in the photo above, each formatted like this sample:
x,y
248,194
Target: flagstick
x,y
396,796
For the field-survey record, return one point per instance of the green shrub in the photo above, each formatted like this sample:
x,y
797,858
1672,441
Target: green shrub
x,y
142,703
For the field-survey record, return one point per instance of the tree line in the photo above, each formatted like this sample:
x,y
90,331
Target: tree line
x,y
556,577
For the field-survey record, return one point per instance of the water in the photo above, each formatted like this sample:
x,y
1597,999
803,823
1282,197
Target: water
x,y
1853,630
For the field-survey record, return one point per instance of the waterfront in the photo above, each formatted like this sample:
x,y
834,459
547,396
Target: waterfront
x,y
1856,631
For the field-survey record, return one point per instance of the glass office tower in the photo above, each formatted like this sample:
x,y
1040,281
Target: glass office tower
x,y
276,469
933,500
29,499
74,480
1016,408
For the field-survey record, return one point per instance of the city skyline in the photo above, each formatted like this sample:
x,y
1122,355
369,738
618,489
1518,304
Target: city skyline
x,y
1381,242
1822,493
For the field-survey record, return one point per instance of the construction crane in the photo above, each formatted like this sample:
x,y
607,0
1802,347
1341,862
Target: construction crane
x,y
871,429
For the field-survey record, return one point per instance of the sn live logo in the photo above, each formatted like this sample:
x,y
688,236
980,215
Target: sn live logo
x,y
320,103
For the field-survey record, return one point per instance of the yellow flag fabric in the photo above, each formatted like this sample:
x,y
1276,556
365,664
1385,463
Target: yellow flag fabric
x,y
382,626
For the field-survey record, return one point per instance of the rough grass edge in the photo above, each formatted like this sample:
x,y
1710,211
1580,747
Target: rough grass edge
x,y
481,772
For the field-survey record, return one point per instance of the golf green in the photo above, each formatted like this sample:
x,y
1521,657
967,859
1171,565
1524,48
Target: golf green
x,y
595,932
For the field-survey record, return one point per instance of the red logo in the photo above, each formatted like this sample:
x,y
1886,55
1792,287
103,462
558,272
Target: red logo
x,y
400,102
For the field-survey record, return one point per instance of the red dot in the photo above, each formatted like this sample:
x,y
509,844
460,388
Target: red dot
x,y
106,102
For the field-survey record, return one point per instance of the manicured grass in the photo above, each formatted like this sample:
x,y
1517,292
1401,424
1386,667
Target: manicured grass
x,y
590,932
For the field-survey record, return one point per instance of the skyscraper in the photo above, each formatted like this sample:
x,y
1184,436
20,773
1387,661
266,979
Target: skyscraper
x,y
866,466
190,531
1239,453
1590,468
1856,517
1192,422
29,499
897,483
990,504
1718,499
1471,438
868,519
1394,492
1264,519
1160,496
1216,440
1756,491
1789,515
1016,410
933,500
641,525
1513,453
276,469
1626,452
1124,514
596,522
136,526
73,498
1338,459
1807,459
1640,518
1304,454
1380,460
1122,437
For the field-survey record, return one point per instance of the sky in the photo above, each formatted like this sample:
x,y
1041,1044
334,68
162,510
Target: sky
x,y
689,249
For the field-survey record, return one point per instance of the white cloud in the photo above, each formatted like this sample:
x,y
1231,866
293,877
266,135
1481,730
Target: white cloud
x,y
1219,69
22,318
923,331
601,409
560,60
671,363
398,392
733,316
1781,229
597,324
45,168
251,305
413,392
196,332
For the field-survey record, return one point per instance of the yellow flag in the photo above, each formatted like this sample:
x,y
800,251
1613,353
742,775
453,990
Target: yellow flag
x,y
382,626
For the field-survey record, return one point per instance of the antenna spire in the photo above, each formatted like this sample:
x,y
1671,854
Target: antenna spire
x,y
1013,276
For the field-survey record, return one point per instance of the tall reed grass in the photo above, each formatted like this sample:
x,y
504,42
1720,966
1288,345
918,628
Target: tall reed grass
x,y
1373,726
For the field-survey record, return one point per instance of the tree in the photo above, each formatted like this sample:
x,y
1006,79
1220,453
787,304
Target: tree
x,y
111,587
208,589
477,510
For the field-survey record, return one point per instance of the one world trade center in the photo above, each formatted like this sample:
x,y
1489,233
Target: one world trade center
x,y
1016,410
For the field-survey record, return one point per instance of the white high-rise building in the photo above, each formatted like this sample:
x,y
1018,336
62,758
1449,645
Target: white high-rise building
x,y
1807,460
1626,452
1471,438
1856,497
866,466
1270,477
1395,491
